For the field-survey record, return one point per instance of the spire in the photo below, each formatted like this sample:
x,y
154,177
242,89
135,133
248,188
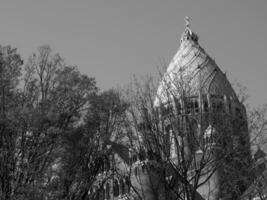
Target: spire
x,y
188,34
187,21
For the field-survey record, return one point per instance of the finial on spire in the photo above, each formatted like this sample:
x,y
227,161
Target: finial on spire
x,y
187,21
188,33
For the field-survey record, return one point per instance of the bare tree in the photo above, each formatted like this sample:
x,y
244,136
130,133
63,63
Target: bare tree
x,y
182,141
257,128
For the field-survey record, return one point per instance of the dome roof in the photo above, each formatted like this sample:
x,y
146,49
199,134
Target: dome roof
x,y
192,71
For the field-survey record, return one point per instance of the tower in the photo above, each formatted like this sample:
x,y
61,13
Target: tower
x,y
200,92
208,122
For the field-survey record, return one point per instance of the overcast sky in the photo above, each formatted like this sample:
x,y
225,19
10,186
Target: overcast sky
x,y
114,39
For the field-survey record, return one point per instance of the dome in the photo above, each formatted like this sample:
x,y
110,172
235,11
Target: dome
x,y
192,71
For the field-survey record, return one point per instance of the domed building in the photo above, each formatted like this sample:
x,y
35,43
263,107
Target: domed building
x,y
196,88
211,124
192,71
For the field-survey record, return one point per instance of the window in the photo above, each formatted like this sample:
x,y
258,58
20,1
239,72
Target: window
x,y
166,110
192,106
178,107
188,107
217,107
230,107
238,113
136,171
206,106
220,107
196,108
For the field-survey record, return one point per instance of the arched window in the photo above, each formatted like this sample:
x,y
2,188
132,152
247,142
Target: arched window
x,y
206,106
196,108
178,107
218,106
166,110
238,113
136,171
116,188
189,106
230,107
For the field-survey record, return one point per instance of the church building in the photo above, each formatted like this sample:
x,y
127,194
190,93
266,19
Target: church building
x,y
210,123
